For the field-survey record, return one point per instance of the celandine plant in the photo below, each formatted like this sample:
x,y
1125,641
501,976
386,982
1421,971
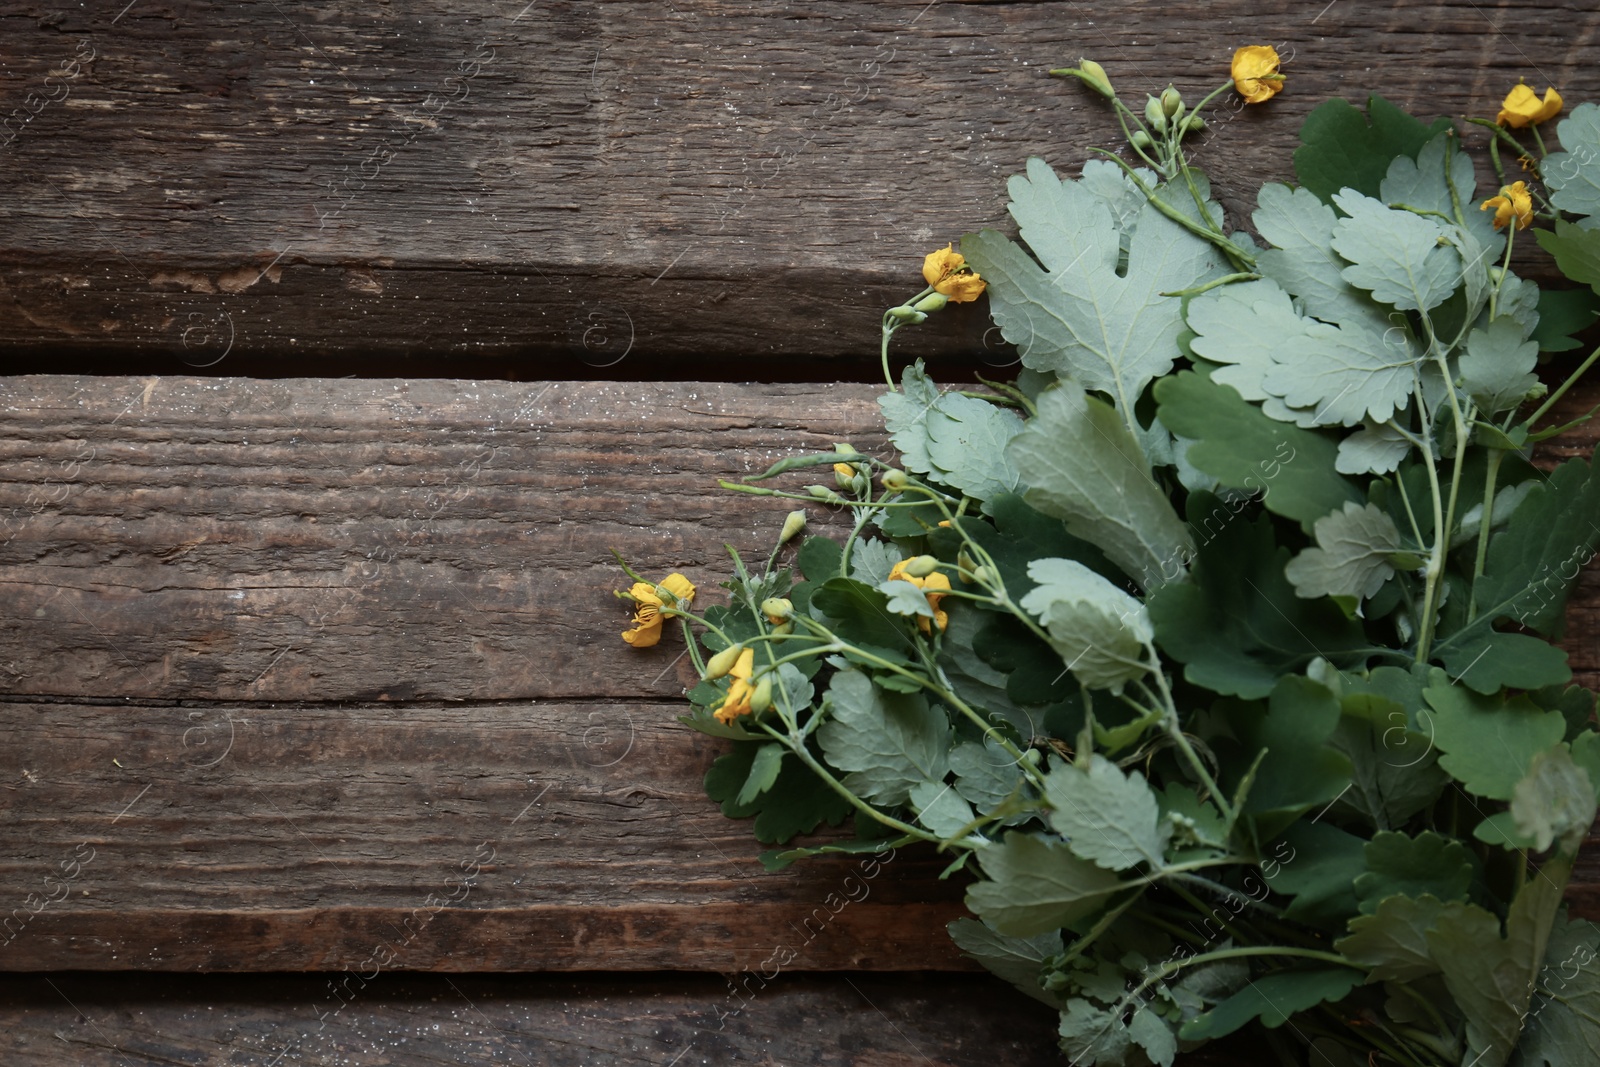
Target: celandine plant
x,y
1215,649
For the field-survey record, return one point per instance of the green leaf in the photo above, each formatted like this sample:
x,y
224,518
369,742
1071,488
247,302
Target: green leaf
x,y
1237,624
763,773
1304,371
1563,1023
1035,886
797,803
1234,442
1488,742
1576,250
1563,313
986,775
1401,258
1320,873
1497,370
871,561
1018,960
1490,977
1110,330
1491,660
889,742
1273,998
1301,771
1107,817
1392,941
1396,772
1422,183
1093,1037
1340,150
958,439
819,559
940,809
1554,801
1099,631
1429,864
860,614
905,598
1084,467
1534,562
1573,174
1302,260
1351,557
1376,448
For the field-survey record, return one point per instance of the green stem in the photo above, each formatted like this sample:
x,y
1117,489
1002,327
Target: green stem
x,y
1572,379
1175,731
1435,568
1240,257
797,745
1485,521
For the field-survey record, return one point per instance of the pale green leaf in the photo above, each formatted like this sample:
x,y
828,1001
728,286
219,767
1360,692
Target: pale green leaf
x,y
1108,817
1018,960
1308,372
1351,557
890,742
1303,261
1554,800
940,809
905,598
1376,448
1093,1037
1401,258
1421,183
959,440
1084,467
1078,316
1573,174
986,774
1034,886
1272,998
1099,631
871,561
1497,369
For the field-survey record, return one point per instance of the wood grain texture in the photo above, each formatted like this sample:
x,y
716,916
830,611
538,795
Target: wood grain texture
x,y
558,189
511,837
410,1020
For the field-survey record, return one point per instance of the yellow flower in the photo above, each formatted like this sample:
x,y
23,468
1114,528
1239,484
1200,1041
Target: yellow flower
x,y
1255,73
737,702
1523,108
934,586
647,619
1512,203
947,271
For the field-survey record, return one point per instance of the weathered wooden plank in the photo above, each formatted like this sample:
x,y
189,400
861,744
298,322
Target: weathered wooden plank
x,y
310,540
510,837
409,1020
256,185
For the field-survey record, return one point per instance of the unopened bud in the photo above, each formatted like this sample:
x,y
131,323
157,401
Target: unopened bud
x,y
894,480
761,699
792,525
984,575
844,475
1172,102
777,609
921,566
1155,115
965,565
932,302
720,664
844,448
824,494
1193,124
1140,140
908,314
1091,74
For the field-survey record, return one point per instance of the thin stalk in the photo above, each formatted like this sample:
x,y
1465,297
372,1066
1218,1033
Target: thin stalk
x,y
1175,731
1496,456
1435,568
1572,379
797,745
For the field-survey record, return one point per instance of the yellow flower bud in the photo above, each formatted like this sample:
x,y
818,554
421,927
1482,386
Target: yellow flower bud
x,y
761,699
921,566
793,523
720,664
777,609
894,480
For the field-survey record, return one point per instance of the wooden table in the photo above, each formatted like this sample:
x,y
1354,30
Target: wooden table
x,y
324,672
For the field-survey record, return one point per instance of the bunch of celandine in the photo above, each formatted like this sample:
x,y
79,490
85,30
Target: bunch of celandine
x,y
1218,637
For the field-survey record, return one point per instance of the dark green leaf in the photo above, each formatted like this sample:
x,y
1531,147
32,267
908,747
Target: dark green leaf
x,y
1491,660
1576,251
1488,742
1237,624
1563,313
1320,871
1244,449
797,803
860,614
1272,998
819,559
1399,865
1035,886
1339,149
